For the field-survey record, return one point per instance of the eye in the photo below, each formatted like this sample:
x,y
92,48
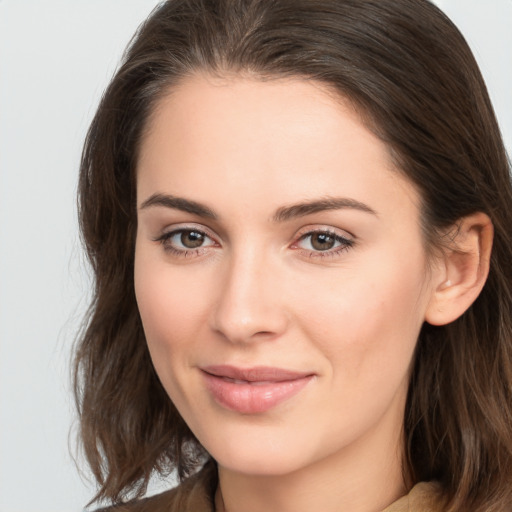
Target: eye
x,y
185,242
323,243
189,239
320,241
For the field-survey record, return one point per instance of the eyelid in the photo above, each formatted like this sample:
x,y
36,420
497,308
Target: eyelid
x,y
186,226
169,232
322,228
344,239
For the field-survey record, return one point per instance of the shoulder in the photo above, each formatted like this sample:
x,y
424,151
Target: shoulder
x,y
195,494
423,497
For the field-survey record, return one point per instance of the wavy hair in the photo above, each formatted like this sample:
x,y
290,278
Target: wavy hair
x,y
409,72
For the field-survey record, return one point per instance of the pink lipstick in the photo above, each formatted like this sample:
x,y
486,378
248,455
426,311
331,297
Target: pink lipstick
x,y
252,390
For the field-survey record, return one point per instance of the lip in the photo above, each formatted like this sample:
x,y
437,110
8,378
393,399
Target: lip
x,y
252,390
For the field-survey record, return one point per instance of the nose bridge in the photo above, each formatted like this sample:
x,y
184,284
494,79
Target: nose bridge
x,y
248,304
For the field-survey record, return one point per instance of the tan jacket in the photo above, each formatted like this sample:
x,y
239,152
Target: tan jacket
x,y
196,495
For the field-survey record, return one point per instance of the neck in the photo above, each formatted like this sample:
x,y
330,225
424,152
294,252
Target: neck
x,y
364,477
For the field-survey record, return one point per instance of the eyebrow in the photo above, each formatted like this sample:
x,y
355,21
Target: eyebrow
x,y
330,203
282,214
178,203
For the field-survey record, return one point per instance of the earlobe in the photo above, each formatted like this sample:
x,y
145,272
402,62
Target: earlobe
x,y
462,269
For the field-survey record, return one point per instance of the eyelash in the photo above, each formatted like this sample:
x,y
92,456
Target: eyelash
x,y
165,241
344,243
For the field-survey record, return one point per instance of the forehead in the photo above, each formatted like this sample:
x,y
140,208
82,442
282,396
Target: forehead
x,y
278,140
207,107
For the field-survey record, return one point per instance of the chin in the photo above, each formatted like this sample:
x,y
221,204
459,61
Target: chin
x,y
259,455
259,463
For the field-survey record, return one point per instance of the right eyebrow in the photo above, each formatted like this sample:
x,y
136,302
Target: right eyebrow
x,y
178,203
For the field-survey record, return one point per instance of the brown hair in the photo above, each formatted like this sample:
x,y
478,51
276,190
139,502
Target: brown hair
x,y
410,73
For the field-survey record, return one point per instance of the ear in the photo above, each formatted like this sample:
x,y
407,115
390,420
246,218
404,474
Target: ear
x,y
462,269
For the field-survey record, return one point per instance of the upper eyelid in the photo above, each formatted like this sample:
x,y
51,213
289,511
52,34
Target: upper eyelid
x,y
165,237
343,233
344,241
177,228
299,234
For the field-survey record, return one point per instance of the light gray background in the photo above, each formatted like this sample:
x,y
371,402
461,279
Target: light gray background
x,y
56,57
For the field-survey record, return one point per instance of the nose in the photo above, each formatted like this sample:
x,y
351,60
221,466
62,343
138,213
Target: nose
x,y
249,304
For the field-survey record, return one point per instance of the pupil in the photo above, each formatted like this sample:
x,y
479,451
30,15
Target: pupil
x,y
192,239
322,241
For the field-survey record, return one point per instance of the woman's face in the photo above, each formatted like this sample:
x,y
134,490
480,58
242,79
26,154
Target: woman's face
x,y
280,273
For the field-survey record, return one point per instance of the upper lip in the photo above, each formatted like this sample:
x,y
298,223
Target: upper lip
x,y
255,374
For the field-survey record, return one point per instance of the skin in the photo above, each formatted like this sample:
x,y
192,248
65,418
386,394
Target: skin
x,y
258,292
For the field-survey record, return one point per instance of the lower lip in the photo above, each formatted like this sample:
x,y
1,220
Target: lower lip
x,y
252,398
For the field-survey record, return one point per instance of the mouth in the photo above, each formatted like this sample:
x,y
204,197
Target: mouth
x,y
253,390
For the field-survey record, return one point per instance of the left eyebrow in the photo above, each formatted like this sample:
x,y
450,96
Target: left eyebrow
x,y
307,208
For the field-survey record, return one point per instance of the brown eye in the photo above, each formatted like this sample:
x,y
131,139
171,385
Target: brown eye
x,y
185,242
192,239
319,242
322,241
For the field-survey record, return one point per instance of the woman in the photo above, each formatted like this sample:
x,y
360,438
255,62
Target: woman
x,y
289,207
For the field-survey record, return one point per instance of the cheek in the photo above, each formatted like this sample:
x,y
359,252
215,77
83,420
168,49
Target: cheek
x,y
366,321
171,309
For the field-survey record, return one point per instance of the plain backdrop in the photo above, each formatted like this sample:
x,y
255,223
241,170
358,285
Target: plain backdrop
x,y
56,57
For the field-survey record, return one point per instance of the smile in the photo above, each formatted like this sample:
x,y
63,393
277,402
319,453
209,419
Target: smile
x,y
252,390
